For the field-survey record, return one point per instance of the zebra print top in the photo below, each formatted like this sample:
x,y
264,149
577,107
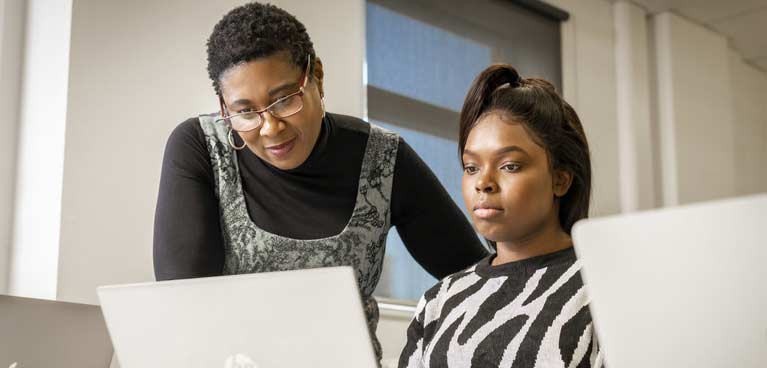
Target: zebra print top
x,y
529,313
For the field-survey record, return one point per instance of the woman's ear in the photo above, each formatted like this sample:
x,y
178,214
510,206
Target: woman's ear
x,y
319,73
562,181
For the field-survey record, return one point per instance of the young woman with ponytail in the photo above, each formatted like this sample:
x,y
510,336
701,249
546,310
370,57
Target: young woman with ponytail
x,y
526,181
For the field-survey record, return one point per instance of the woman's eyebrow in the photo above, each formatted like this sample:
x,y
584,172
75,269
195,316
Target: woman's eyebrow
x,y
290,86
508,149
500,151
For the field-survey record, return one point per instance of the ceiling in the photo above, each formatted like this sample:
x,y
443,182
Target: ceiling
x,y
744,22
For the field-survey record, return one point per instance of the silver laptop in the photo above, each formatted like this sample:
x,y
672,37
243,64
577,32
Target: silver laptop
x,y
306,318
679,287
44,333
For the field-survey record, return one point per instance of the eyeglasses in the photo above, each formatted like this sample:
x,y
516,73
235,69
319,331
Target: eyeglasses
x,y
282,108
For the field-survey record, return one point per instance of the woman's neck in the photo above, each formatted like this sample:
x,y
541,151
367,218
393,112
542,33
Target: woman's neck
x,y
547,239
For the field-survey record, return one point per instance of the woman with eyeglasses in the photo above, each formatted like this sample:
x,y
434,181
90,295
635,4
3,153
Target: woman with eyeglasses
x,y
273,182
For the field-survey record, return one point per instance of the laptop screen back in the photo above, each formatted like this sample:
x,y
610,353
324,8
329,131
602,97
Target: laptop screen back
x,y
44,333
679,287
281,319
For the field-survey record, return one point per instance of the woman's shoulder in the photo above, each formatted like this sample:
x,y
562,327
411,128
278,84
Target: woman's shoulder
x,y
349,124
186,144
188,130
447,286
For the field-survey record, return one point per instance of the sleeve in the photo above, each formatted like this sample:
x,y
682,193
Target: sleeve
x,y
412,353
187,234
430,224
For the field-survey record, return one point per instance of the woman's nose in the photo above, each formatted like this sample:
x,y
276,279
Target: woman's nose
x,y
271,126
486,184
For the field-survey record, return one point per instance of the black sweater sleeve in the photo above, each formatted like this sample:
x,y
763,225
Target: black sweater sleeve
x,y
187,234
430,224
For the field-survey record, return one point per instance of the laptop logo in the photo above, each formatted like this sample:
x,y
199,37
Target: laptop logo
x,y
237,361
13,365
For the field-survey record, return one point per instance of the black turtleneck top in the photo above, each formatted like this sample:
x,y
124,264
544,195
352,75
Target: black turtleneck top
x,y
314,200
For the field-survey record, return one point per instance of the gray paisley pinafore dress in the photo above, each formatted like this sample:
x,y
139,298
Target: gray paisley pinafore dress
x,y
361,244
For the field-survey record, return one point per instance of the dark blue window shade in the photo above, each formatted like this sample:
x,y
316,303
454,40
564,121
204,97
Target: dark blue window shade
x,y
421,61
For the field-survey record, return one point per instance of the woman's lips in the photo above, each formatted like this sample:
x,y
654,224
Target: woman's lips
x,y
283,149
485,212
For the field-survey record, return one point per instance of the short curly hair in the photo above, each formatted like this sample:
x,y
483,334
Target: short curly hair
x,y
253,31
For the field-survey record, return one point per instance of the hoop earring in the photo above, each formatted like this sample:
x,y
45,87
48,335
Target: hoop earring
x,y
231,141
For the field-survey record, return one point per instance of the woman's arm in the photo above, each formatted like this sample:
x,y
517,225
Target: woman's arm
x,y
187,234
430,224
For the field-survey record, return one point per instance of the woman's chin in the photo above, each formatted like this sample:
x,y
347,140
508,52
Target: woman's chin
x,y
286,163
495,235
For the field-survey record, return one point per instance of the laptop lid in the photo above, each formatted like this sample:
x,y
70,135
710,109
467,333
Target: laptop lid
x,y
679,287
45,333
305,318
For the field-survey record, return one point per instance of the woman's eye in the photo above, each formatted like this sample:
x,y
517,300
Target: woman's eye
x,y
280,103
470,169
510,167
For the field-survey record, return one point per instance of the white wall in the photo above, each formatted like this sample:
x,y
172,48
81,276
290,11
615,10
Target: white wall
x,y
43,104
749,96
695,112
664,116
11,47
635,138
138,70
589,84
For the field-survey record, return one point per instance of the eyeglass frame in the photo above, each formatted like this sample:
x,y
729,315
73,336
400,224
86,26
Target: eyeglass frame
x,y
260,113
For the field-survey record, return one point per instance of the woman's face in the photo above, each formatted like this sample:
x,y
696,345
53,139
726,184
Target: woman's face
x,y
507,185
282,142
